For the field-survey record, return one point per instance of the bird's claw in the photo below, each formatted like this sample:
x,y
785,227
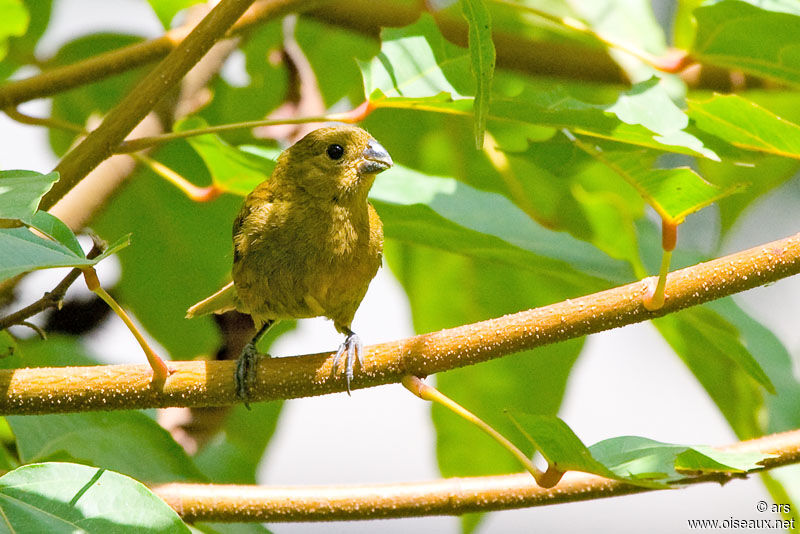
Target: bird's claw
x,y
355,351
246,372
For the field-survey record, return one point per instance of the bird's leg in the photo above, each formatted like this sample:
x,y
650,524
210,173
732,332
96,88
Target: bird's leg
x,y
246,365
354,349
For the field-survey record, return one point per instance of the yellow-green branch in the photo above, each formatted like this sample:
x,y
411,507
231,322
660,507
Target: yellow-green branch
x,y
215,502
211,383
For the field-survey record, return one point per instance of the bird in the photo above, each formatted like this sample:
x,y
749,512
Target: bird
x,y
306,243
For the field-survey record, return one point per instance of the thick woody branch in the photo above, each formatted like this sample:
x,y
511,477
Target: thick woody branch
x,y
212,502
210,383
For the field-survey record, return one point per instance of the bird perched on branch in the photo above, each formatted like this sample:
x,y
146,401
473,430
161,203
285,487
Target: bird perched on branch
x,y
306,242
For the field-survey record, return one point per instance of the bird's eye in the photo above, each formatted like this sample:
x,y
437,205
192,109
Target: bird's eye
x,y
335,151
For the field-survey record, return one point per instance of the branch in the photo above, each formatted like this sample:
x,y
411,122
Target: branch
x,y
210,383
59,79
213,502
101,143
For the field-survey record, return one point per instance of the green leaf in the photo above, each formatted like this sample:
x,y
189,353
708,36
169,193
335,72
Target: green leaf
x,y
231,169
701,459
446,214
712,349
642,116
23,251
753,183
635,458
21,191
67,498
8,346
632,459
166,10
20,49
558,444
715,329
126,441
746,125
673,193
335,65
53,227
611,219
56,351
776,361
411,65
264,87
13,23
234,454
647,103
740,36
408,74
116,246
482,56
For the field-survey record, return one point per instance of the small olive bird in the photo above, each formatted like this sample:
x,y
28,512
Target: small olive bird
x,y
306,242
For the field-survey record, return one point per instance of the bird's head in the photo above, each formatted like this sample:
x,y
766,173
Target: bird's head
x,y
338,162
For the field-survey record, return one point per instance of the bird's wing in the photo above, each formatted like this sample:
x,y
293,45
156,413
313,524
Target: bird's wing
x,y
220,302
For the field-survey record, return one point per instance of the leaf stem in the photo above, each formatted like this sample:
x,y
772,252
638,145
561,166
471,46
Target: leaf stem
x,y
430,393
654,297
48,122
142,143
160,370
196,193
357,114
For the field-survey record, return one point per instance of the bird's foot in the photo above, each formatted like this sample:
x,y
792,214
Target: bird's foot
x,y
353,349
245,375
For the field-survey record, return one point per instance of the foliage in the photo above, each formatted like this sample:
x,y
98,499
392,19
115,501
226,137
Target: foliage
x,y
559,199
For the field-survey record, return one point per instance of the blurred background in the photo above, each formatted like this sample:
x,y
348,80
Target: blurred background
x,y
384,434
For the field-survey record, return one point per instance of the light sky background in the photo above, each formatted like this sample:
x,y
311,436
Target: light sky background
x,y
626,382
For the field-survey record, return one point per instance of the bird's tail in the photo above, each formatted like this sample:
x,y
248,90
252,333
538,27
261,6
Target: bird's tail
x,y
220,302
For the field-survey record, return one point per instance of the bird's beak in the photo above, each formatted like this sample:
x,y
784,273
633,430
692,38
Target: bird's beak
x,y
375,158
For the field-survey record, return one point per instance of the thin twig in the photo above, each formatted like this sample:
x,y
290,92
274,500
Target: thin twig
x,y
142,143
211,383
51,299
49,122
429,393
216,502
